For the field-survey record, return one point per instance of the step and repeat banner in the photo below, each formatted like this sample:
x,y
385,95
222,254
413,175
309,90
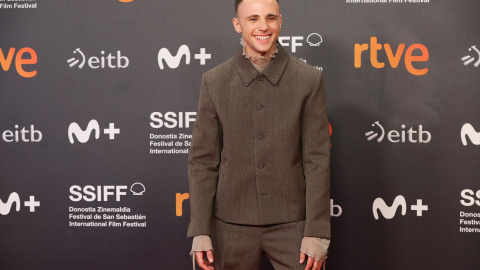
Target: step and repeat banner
x,y
98,100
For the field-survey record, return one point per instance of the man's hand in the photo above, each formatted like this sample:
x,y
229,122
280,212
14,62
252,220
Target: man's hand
x,y
200,258
311,263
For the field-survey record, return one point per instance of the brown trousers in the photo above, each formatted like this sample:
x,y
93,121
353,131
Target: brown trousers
x,y
241,247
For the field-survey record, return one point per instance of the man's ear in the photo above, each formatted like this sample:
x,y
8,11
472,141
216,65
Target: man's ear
x,y
237,26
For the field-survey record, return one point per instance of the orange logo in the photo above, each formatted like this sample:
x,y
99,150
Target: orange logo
x,y
393,59
6,62
330,131
126,1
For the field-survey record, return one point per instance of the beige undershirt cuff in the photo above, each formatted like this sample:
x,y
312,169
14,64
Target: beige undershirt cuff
x,y
317,248
200,243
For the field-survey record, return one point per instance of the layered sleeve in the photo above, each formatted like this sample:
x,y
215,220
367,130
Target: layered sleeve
x,y
316,162
203,163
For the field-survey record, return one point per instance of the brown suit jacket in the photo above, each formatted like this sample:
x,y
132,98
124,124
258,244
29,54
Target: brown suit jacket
x,y
260,151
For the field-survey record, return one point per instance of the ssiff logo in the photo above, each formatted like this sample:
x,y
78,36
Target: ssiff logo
x,y
99,62
393,59
90,193
313,40
388,212
14,198
469,131
20,61
394,136
174,61
469,59
84,135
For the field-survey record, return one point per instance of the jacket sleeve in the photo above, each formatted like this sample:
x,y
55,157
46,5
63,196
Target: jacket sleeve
x,y
316,162
203,164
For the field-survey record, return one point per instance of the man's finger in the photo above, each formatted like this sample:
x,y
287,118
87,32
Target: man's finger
x,y
302,257
201,262
210,255
316,265
309,263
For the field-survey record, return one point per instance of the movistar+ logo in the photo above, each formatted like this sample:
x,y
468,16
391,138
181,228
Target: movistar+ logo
x,y
174,61
14,198
389,212
84,135
469,131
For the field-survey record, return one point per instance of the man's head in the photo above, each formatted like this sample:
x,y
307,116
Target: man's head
x,y
259,22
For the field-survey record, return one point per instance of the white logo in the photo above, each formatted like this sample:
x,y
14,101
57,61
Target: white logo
x,y
313,39
468,130
14,198
99,62
5,207
22,135
469,59
84,135
334,207
91,193
174,61
388,212
137,189
172,119
470,197
393,136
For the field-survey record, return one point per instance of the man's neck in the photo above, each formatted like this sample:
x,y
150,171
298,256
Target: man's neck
x,y
260,64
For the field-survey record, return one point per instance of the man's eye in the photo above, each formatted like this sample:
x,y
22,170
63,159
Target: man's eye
x,y
272,18
252,19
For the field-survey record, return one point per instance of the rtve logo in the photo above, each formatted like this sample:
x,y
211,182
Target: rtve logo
x,y
388,212
99,62
393,59
335,210
84,135
15,198
393,136
313,39
469,131
22,135
20,60
174,61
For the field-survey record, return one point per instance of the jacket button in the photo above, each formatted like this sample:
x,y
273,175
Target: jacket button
x,y
260,135
261,165
260,77
259,107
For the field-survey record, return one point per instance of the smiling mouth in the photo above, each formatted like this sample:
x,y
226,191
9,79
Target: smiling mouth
x,y
262,37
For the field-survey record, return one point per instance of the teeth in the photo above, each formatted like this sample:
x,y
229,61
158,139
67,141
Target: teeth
x,y
261,37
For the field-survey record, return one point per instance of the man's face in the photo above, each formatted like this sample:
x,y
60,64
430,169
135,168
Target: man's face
x,y
259,21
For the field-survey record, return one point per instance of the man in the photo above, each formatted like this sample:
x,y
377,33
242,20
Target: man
x,y
259,164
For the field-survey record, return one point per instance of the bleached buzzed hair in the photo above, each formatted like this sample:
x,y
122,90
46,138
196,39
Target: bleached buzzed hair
x,y
237,3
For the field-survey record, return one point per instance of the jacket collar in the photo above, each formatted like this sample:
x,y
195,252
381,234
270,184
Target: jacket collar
x,y
273,72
